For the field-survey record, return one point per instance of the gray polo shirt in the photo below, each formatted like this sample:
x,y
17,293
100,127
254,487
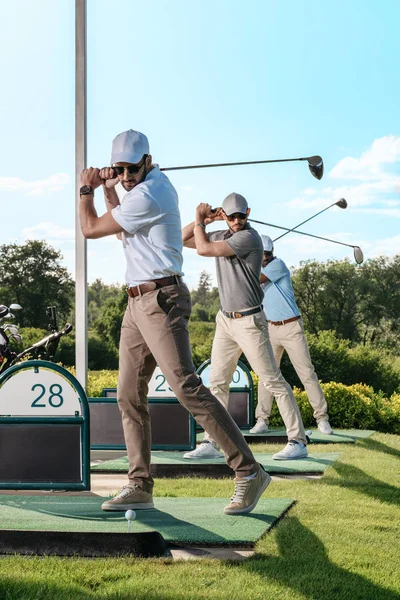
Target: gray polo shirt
x,y
239,276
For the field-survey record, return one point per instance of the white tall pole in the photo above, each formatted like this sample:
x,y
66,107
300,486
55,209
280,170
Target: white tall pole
x,y
81,354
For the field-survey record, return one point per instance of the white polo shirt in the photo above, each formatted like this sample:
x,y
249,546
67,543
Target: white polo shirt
x,y
152,236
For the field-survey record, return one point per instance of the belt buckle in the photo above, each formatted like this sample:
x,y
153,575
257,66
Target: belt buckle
x,y
238,315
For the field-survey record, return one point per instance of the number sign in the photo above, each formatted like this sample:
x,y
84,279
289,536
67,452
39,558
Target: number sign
x,y
239,379
158,386
38,392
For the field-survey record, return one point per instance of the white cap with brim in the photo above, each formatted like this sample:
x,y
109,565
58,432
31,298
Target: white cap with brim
x,y
129,146
234,203
268,244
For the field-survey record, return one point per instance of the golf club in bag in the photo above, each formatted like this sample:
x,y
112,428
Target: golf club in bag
x,y
44,349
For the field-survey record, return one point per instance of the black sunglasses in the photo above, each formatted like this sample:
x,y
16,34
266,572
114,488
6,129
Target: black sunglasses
x,y
268,253
132,169
237,215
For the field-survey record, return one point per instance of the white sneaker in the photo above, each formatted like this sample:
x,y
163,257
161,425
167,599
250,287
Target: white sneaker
x,y
291,451
259,427
204,450
324,427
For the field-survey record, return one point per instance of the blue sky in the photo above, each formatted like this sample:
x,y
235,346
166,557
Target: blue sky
x,y
215,81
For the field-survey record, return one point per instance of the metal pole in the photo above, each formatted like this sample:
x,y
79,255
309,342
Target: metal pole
x,y
81,353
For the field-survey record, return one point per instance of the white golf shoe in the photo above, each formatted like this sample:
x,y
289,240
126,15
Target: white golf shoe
x,y
204,450
259,427
291,451
325,427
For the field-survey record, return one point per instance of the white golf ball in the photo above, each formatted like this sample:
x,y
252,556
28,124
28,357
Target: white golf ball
x,y
130,515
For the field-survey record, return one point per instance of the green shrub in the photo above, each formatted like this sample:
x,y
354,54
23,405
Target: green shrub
x,y
350,407
334,360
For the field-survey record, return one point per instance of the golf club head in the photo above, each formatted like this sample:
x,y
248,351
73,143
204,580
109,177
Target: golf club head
x,y
358,255
342,203
15,307
316,166
11,328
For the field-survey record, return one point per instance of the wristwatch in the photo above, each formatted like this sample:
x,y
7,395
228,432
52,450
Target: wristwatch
x,y
86,190
200,225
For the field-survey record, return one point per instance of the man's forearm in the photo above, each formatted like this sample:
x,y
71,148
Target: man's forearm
x,y
201,239
110,198
87,213
187,232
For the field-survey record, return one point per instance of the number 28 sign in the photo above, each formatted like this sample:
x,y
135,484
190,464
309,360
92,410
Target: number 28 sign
x,y
37,392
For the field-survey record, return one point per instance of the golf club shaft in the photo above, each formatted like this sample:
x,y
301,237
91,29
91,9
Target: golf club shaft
x,y
318,237
232,164
306,221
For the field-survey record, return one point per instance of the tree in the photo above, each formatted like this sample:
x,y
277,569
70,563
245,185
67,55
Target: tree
x,y
31,274
108,325
358,303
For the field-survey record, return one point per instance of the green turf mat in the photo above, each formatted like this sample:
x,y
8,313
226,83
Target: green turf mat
x,y
340,436
179,520
315,463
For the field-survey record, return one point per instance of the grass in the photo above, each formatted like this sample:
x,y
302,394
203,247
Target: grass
x,y
340,541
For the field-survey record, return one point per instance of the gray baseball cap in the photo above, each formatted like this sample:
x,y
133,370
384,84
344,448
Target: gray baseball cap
x,y
234,203
129,146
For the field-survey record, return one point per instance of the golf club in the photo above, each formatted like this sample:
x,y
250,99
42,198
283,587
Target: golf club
x,y
358,254
342,203
315,165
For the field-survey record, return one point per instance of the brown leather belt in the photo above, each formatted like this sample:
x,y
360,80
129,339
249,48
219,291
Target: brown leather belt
x,y
156,284
285,321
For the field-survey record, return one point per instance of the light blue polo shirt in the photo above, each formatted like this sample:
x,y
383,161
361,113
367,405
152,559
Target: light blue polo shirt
x,y
279,302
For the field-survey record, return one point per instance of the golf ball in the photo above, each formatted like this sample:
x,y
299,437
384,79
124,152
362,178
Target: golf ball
x,y
130,515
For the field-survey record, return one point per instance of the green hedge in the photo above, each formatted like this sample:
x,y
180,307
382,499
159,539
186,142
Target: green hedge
x,y
355,406
350,407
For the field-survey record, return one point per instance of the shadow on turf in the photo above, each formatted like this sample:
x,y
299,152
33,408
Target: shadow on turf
x,y
303,565
371,444
354,478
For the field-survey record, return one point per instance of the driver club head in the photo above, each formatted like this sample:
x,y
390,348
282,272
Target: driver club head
x,y
358,255
316,166
342,203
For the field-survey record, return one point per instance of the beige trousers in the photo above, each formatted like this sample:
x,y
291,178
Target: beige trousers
x,y
291,337
154,331
250,335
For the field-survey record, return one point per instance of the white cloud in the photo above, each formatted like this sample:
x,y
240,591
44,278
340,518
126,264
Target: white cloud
x,y
51,232
384,247
51,184
372,184
384,150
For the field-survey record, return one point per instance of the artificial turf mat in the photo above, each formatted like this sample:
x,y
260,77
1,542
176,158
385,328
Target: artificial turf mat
x,y
340,436
185,521
315,463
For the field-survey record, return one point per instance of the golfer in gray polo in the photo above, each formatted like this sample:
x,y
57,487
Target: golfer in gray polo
x,y
241,325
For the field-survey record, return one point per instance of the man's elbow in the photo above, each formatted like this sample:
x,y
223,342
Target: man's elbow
x,y
203,252
89,233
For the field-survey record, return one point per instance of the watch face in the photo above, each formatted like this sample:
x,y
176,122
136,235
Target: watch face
x,y
86,189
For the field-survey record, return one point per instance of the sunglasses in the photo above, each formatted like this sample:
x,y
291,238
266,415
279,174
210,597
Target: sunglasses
x,y
132,169
267,253
237,215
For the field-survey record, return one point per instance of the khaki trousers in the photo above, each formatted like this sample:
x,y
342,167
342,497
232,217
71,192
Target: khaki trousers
x,y
154,331
250,335
291,337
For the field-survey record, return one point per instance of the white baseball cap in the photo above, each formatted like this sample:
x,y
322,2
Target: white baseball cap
x,y
129,146
268,244
234,203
